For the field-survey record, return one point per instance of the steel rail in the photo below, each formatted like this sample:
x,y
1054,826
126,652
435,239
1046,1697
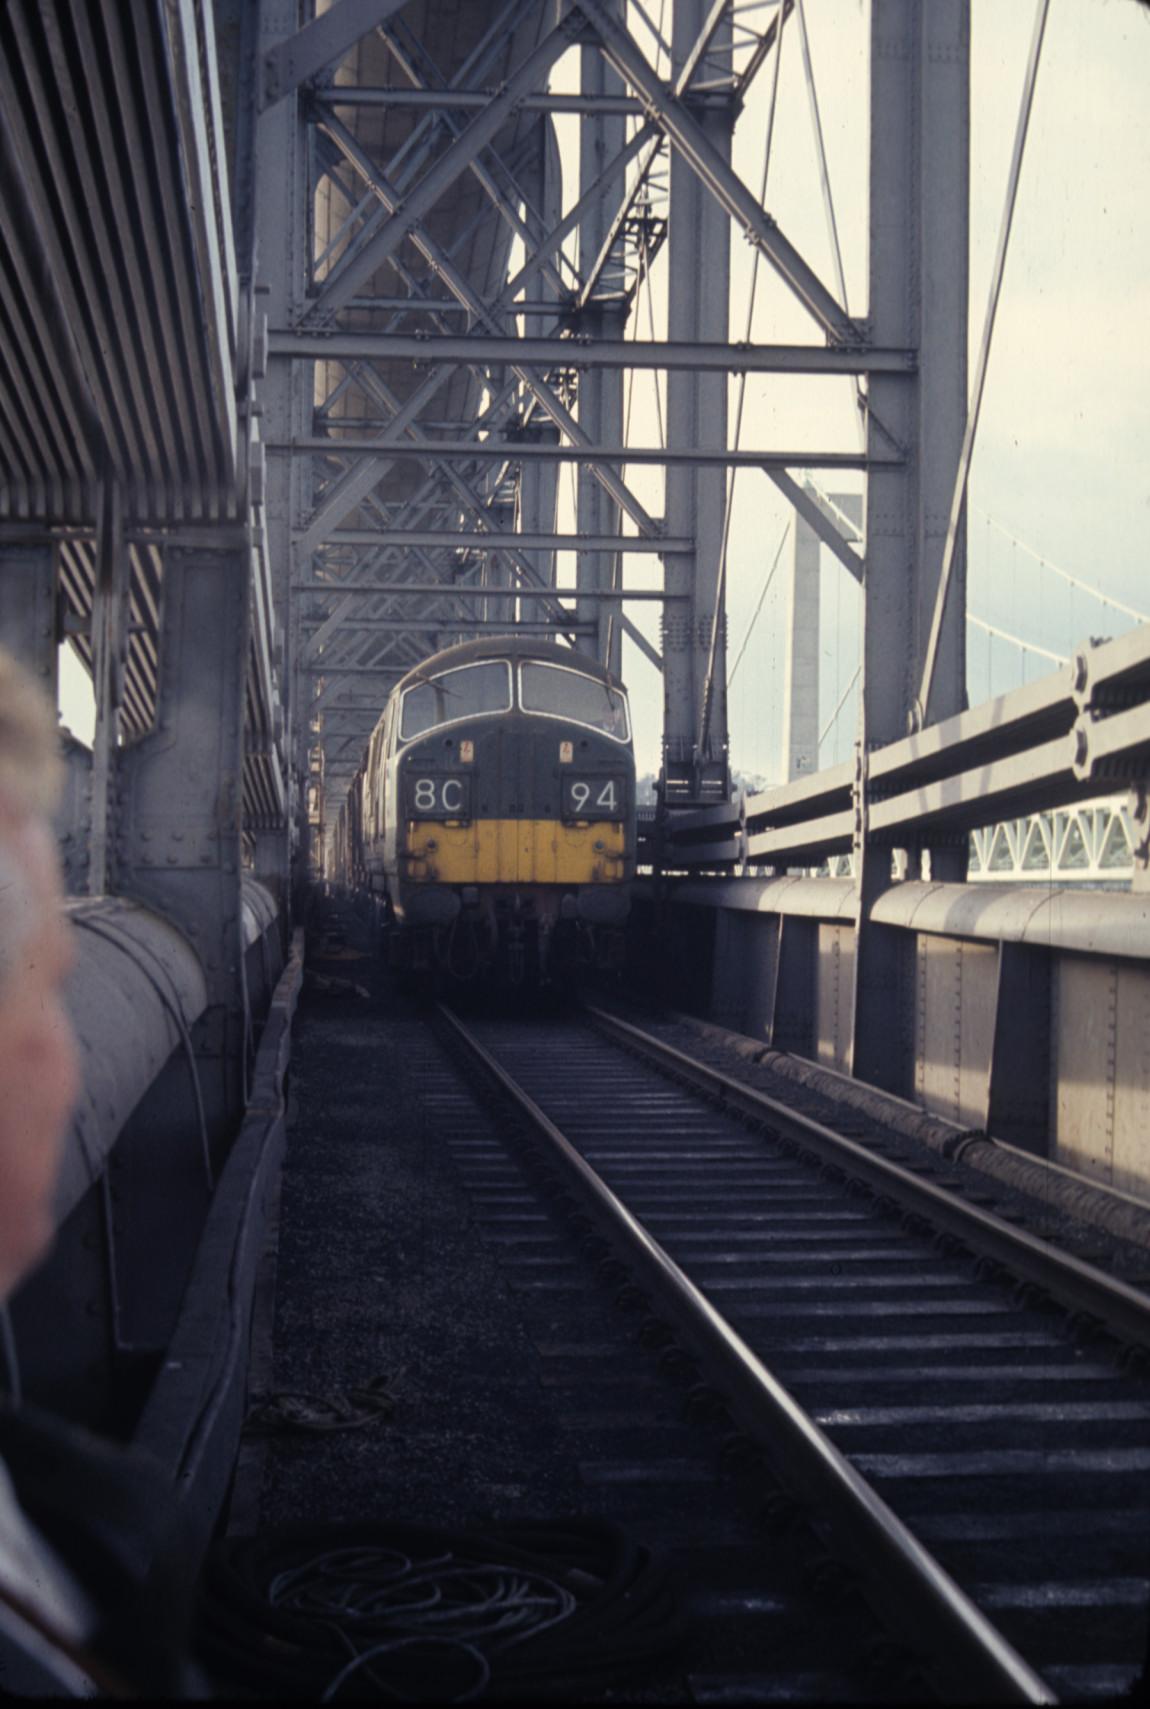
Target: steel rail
x,y
1075,1284
910,1589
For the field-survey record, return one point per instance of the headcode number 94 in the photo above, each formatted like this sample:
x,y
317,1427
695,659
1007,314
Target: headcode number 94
x,y
593,797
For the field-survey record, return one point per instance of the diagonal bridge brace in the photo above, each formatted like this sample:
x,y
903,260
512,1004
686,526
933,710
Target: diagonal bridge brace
x,y
360,480
408,213
690,140
473,504
464,292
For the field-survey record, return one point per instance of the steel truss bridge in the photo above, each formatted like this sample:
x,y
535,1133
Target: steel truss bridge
x,y
300,319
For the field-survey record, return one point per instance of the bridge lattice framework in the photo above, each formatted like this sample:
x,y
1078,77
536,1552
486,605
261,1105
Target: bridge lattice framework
x,y
298,327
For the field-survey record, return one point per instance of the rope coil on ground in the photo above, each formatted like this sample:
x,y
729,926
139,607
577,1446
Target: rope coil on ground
x,y
415,1614
289,1413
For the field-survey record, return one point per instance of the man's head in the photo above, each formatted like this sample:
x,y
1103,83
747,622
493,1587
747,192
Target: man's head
x,y
38,1066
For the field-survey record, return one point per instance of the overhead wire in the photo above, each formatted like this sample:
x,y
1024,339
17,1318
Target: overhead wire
x,y
828,194
644,281
721,581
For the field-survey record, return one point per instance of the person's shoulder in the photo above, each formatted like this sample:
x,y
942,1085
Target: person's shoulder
x,y
110,1514
115,1496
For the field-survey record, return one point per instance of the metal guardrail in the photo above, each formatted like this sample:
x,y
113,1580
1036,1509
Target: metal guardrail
x,y
1089,845
1049,745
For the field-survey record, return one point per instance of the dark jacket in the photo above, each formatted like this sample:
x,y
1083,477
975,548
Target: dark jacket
x,y
110,1515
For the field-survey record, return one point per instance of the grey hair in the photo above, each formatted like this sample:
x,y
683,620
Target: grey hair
x,y
30,766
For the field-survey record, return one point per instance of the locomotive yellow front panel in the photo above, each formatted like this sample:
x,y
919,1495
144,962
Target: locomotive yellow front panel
x,y
516,851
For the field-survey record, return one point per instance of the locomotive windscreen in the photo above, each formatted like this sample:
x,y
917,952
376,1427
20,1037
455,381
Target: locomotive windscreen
x,y
462,693
568,694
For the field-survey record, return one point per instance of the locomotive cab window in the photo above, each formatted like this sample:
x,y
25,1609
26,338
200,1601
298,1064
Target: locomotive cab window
x,y
562,693
464,693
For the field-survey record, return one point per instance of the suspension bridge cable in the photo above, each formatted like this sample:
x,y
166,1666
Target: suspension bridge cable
x,y
828,195
1065,575
834,718
709,685
1015,640
662,46
759,606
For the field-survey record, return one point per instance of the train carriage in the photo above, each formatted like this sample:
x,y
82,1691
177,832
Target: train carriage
x,y
495,811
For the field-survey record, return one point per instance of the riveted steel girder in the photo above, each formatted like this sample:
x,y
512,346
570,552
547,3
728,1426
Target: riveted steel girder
x,y
919,244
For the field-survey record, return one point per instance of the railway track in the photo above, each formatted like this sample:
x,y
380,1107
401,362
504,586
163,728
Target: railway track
x,y
907,1363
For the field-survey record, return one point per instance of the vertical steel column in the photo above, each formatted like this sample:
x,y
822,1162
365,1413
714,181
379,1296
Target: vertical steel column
x,y
282,224
242,70
179,836
802,596
499,606
538,491
699,255
601,416
539,481
920,129
919,221
110,613
601,139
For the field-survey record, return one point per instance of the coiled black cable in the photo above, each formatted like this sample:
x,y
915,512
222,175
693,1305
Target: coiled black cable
x,y
415,1614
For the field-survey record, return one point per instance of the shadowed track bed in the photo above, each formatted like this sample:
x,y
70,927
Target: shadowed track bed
x,y
412,1245
419,1241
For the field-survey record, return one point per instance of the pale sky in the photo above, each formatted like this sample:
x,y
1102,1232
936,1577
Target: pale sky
x,y
1063,456
1062,459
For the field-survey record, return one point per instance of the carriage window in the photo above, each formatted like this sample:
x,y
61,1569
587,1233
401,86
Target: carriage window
x,y
568,694
462,693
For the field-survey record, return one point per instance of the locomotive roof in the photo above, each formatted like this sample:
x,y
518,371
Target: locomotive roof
x,y
507,647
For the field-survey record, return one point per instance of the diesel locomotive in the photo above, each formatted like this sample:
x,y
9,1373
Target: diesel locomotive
x,y
493,816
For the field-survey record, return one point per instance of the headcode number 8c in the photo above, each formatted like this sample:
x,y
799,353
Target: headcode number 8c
x,y
439,796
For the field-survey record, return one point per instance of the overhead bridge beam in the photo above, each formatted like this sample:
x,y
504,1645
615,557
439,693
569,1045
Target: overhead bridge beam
x,y
434,626
327,38
447,620
586,352
353,629
474,100
490,540
469,591
526,451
